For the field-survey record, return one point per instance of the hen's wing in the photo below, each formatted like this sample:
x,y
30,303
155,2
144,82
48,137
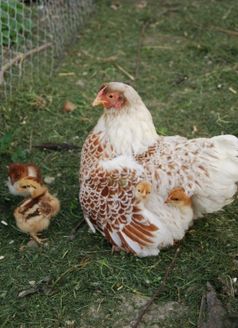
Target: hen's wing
x,y
206,168
107,196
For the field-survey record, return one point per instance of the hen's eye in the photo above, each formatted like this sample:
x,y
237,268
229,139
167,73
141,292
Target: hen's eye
x,y
176,199
110,96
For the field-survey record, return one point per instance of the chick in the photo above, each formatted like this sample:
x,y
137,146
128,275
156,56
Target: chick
x,y
143,190
33,215
17,171
180,200
178,197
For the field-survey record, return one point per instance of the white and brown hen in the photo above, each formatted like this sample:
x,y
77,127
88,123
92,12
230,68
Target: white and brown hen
x,y
124,149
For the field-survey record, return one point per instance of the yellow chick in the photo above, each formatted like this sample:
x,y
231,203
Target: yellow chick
x,y
143,190
178,197
33,215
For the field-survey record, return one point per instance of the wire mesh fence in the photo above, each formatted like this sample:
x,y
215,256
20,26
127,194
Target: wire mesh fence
x,y
33,35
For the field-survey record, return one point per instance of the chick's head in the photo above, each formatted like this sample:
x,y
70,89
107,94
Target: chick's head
x,y
31,187
178,197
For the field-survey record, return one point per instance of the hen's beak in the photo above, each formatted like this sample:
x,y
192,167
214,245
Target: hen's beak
x,y
97,101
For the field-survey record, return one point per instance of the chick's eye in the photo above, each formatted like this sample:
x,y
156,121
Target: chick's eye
x,y
176,199
110,96
24,187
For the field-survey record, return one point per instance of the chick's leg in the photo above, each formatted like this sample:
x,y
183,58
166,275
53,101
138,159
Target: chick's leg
x,y
40,241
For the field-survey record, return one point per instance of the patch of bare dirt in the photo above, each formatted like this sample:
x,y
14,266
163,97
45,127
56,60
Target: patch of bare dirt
x,y
126,311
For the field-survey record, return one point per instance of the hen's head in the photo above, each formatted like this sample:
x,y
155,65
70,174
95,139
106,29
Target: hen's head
x,y
117,95
178,197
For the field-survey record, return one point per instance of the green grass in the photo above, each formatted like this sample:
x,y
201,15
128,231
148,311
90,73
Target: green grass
x,y
180,39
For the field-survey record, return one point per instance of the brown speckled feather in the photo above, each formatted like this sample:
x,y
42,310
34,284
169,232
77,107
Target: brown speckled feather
x,y
108,199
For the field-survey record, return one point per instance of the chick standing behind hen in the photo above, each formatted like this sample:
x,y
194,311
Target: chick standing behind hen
x,y
18,171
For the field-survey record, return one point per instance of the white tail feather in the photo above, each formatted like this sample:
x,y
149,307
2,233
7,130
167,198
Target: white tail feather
x,y
223,173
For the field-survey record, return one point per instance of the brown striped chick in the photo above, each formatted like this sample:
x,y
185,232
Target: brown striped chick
x,y
33,215
143,190
17,171
179,199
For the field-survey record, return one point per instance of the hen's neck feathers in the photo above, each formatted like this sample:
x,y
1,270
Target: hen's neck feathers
x,y
130,130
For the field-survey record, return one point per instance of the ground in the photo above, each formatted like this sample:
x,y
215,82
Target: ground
x,y
181,56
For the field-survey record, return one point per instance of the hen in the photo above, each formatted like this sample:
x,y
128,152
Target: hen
x,y
33,215
123,150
